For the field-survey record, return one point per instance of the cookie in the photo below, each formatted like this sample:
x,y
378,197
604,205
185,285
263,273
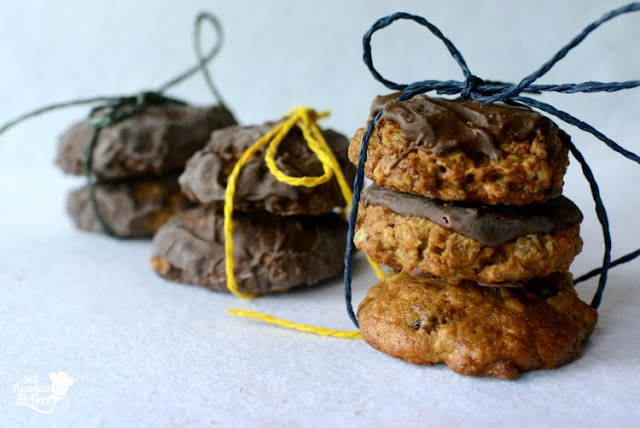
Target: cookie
x,y
131,209
490,244
205,177
461,150
154,143
479,331
272,253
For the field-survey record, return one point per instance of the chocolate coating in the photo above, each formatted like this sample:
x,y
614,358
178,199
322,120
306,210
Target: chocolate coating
x,y
490,225
131,209
205,177
440,126
154,143
271,254
420,247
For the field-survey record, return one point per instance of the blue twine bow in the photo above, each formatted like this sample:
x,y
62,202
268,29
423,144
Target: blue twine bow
x,y
477,89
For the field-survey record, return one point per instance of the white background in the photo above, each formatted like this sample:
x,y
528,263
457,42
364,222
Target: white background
x,y
145,352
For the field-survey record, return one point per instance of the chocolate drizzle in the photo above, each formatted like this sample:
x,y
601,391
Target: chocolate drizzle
x,y
442,126
490,225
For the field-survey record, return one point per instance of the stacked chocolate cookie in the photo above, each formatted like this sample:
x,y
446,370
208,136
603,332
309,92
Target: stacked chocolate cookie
x,y
467,205
284,236
135,166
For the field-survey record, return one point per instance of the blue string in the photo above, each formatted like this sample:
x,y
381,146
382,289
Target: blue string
x,y
477,89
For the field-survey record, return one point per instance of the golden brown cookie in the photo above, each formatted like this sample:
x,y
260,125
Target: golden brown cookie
x,y
460,150
205,177
489,244
272,253
131,208
479,331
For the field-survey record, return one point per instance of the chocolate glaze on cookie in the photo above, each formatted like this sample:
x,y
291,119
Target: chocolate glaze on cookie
x,y
131,209
206,173
440,126
490,225
271,253
154,143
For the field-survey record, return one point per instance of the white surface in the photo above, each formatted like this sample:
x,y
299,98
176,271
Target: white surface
x,y
144,352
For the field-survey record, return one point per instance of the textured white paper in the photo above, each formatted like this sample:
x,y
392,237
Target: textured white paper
x,y
145,352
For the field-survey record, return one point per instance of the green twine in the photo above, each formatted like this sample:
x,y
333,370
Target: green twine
x,y
109,118
111,110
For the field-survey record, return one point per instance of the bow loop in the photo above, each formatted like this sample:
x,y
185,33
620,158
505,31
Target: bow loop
x,y
488,92
388,20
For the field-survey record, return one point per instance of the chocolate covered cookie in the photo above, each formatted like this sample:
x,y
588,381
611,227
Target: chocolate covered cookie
x,y
205,176
480,331
154,143
490,244
462,150
272,253
130,208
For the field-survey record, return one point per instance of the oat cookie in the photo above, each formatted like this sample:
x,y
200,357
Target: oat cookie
x,y
480,331
490,244
461,150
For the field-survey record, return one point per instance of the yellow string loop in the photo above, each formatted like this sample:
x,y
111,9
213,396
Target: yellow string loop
x,y
317,143
305,118
318,146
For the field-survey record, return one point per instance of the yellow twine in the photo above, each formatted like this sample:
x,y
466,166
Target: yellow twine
x,y
295,326
305,118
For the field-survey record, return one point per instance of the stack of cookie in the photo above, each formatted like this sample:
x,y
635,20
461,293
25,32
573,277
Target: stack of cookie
x,y
284,236
467,206
135,166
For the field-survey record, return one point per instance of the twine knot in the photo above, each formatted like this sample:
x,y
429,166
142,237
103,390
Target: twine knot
x,y
470,85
